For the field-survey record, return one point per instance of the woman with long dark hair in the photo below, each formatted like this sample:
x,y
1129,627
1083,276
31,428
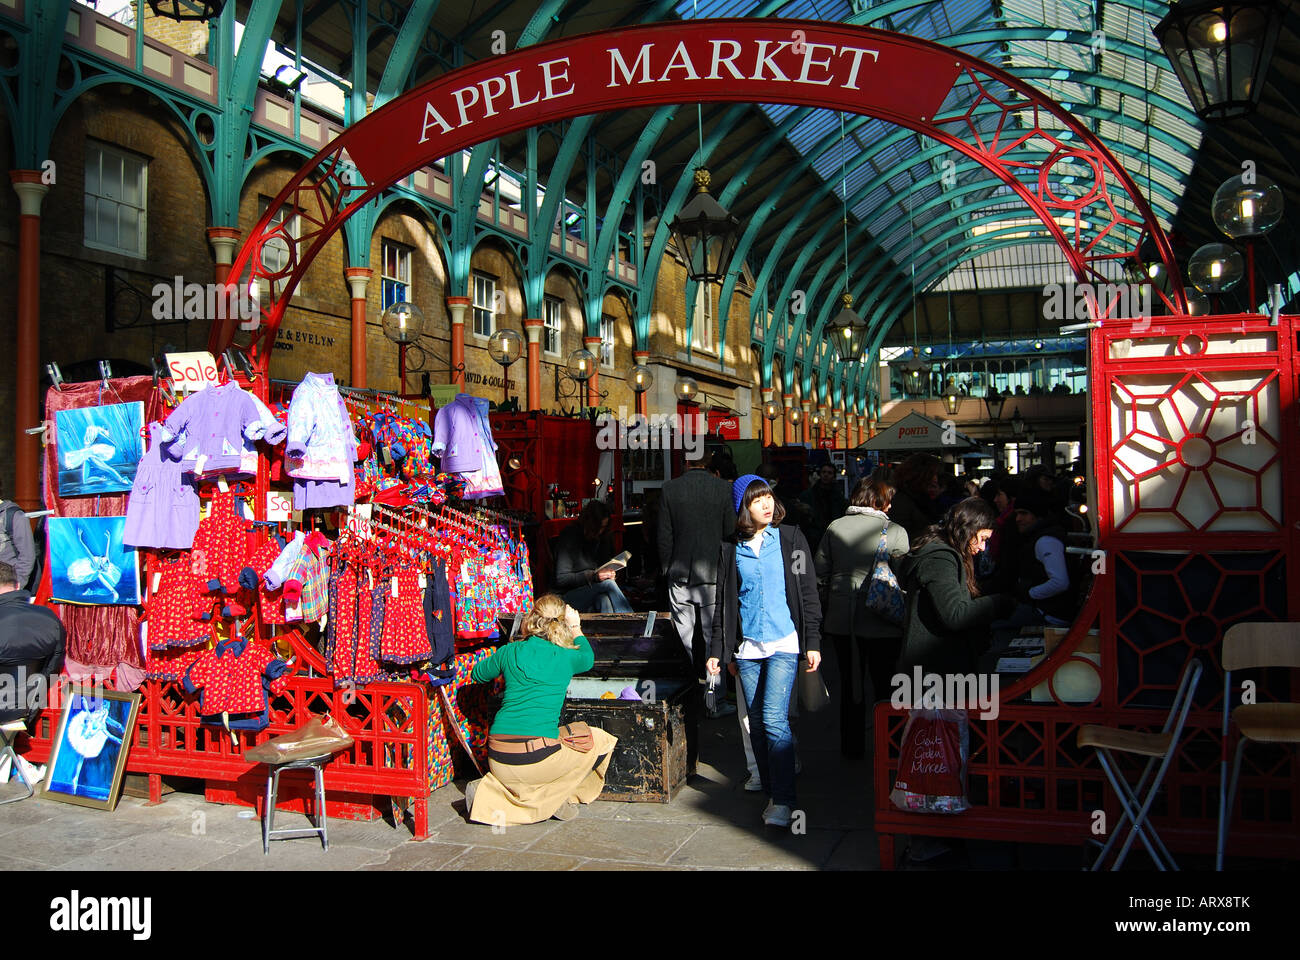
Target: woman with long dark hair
x,y
946,626
767,617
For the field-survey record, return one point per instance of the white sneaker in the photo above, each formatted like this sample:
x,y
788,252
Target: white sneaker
x,y
777,815
754,784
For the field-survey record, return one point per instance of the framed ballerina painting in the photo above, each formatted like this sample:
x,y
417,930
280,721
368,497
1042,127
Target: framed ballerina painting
x,y
99,448
88,758
90,563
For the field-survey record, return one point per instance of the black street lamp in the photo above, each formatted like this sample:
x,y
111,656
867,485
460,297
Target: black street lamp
x,y
848,332
1220,50
993,403
1017,422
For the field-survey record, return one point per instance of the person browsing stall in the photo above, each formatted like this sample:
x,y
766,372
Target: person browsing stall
x,y
579,553
767,617
536,768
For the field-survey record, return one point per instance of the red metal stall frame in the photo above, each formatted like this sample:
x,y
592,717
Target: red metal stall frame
x,y
1189,809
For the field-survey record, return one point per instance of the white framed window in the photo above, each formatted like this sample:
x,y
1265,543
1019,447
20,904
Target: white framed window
x,y
116,199
485,295
553,325
396,274
606,340
276,252
702,326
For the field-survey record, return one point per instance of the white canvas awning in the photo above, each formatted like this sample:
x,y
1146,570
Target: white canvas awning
x,y
919,432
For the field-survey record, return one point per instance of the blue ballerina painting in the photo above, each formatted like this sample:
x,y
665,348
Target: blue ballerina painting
x,y
90,564
99,448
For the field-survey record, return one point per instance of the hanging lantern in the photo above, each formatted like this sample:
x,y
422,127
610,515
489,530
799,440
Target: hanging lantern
x,y
705,234
951,398
1220,52
848,332
181,10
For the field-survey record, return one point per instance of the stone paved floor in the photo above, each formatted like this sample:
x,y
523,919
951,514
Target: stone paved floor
x,y
711,824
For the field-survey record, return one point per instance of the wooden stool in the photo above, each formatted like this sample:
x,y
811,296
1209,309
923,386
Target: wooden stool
x,y
269,833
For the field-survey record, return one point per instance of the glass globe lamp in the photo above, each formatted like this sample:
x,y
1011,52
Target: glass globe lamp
x,y
1243,209
402,322
687,389
581,365
1215,268
505,347
642,379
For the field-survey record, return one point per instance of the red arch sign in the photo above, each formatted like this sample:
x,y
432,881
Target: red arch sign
x,y
835,66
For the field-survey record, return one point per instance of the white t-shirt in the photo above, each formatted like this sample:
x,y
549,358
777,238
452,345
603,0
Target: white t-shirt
x,y
753,649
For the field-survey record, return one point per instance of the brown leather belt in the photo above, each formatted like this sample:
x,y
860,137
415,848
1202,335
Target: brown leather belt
x,y
513,744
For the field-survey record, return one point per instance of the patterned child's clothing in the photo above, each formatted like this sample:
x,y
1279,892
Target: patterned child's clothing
x,y
306,586
438,618
471,704
169,665
170,606
474,598
403,638
321,447
235,678
270,605
220,547
354,619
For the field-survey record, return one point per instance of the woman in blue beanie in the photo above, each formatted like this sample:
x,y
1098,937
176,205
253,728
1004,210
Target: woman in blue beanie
x,y
767,616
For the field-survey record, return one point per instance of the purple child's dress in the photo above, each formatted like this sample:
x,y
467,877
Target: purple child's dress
x,y
163,509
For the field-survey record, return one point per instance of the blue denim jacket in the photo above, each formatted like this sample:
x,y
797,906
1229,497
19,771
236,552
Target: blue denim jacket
x,y
764,613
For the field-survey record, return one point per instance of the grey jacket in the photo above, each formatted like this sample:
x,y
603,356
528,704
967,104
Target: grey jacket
x,y
695,513
846,555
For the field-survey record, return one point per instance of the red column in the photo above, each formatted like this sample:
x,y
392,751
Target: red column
x,y
533,327
593,384
642,401
358,281
767,424
787,428
27,355
456,306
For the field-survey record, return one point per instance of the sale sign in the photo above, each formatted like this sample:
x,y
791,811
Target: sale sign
x,y
279,504
191,372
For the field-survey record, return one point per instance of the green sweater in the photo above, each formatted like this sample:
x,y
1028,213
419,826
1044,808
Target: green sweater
x,y
537,676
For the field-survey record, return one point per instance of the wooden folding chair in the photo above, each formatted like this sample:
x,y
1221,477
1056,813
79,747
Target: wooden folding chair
x,y
1160,748
1248,646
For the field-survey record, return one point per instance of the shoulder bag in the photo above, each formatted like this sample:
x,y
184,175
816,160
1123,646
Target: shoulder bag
x,y
884,596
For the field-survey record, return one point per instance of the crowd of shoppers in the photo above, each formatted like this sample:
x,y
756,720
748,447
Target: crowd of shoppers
x,y
751,590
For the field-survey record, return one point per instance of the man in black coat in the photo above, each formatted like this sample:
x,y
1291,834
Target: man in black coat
x,y
30,636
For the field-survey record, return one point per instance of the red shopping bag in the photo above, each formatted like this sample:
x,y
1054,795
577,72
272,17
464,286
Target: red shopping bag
x,y
932,764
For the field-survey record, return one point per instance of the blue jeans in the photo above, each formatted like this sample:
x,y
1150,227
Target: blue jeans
x,y
766,685
603,596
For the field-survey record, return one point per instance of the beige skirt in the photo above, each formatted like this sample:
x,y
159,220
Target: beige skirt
x,y
532,792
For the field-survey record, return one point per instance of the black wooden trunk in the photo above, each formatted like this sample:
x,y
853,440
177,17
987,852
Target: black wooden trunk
x,y
656,735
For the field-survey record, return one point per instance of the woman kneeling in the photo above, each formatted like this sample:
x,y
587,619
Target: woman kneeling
x,y
537,769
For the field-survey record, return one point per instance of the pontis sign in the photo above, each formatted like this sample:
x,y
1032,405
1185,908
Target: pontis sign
x,y
792,62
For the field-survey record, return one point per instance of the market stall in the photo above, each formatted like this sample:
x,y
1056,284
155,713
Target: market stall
x,y
278,551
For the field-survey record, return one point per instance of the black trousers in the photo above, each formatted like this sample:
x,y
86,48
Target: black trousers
x,y
877,655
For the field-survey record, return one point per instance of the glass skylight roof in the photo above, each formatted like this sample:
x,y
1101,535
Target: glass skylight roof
x,y
1101,69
